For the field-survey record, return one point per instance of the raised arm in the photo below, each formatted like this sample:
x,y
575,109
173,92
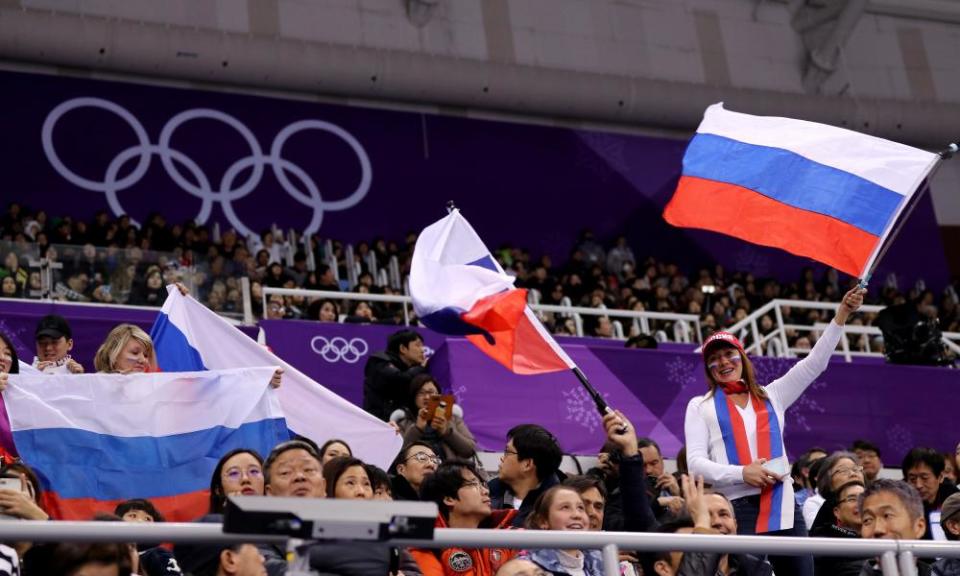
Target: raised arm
x,y
788,388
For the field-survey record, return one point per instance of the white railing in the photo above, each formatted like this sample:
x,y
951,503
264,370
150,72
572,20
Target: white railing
x,y
775,342
897,556
686,327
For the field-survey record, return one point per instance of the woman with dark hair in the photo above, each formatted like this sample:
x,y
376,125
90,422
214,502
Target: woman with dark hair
x,y
449,439
346,477
9,363
240,471
333,448
734,434
562,508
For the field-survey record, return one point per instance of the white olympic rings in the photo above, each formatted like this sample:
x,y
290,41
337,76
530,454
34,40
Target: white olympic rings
x,y
200,186
338,348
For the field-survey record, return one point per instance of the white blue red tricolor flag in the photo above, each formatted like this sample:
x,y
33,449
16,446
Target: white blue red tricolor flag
x,y
459,289
188,336
98,439
814,190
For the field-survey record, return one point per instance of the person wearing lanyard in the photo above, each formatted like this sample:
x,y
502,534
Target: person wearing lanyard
x,y
734,433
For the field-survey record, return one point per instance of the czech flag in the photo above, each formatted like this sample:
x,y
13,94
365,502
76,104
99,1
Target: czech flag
x,y
189,336
96,440
814,190
459,289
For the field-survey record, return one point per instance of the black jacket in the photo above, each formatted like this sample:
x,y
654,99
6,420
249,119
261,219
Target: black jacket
x,y
358,559
707,563
835,565
401,489
628,506
947,488
386,383
499,490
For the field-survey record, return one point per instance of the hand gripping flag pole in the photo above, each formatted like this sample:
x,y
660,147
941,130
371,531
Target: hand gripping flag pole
x,y
947,153
458,288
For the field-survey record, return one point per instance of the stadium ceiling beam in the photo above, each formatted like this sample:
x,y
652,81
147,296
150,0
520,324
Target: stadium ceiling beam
x,y
203,58
825,26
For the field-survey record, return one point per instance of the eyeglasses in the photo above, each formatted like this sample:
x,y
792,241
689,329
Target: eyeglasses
x,y
480,486
852,499
423,458
507,452
234,474
847,471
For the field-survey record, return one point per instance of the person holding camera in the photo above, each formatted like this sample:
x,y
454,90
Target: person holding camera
x,y
451,439
734,433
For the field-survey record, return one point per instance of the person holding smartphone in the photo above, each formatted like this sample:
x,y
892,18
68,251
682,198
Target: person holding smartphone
x,y
734,433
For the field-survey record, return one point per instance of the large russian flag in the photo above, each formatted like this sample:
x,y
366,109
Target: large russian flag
x,y
459,289
98,439
189,336
813,190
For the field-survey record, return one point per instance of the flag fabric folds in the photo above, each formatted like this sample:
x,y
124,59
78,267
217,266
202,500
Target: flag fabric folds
x,y
814,190
98,439
458,288
188,336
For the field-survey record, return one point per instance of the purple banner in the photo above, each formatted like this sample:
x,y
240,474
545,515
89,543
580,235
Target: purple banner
x,y
352,173
849,401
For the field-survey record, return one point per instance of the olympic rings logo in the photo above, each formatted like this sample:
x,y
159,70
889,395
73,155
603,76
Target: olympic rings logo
x,y
228,190
338,348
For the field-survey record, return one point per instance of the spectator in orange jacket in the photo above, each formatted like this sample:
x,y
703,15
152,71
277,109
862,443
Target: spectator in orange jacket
x,y
464,502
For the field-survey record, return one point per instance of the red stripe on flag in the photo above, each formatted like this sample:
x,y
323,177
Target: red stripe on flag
x,y
518,345
739,434
179,508
751,216
763,451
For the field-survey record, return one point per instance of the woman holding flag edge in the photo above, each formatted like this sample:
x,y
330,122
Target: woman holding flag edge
x,y
734,433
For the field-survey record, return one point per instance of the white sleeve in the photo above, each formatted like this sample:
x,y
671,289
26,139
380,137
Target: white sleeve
x,y
811,507
698,450
788,388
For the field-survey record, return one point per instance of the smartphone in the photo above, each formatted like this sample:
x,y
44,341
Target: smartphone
x,y
14,484
778,466
445,401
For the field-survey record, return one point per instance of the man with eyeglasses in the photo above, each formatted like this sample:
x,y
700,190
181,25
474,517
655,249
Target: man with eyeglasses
x,y
846,524
869,456
528,468
923,469
464,502
416,461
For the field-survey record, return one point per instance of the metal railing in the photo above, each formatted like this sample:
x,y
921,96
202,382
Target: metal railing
x,y
686,327
896,556
775,342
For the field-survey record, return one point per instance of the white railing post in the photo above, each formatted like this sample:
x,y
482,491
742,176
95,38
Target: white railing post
x,y
908,563
611,560
248,318
888,563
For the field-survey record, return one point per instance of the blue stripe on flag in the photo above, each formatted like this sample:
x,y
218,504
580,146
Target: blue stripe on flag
x,y
174,352
776,505
793,180
485,262
776,438
449,320
82,464
726,428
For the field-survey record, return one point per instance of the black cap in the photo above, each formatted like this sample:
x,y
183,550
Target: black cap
x,y
53,326
201,558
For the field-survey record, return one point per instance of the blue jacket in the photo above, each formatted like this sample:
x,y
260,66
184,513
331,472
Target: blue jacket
x,y
549,561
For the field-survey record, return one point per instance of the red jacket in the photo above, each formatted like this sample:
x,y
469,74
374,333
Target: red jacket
x,y
468,561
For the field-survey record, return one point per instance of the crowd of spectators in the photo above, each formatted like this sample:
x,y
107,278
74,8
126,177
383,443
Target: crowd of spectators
x,y
111,260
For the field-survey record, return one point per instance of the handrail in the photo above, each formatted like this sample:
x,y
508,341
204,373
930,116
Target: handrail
x,y
408,301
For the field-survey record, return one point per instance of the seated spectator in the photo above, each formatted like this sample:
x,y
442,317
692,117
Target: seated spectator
x,y
561,508
710,513
138,510
521,567
220,559
387,375
74,559
813,502
13,269
9,288
324,310
450,439
346,478
54,342
380,482
239,471
415,462
9,363
360,313
950,522
628,501
663,488
127,349
837,470
804,485
154,560
528,468
333,448
922,468
891,509
846,524
463,498
593,492
293,469
869,456
24,502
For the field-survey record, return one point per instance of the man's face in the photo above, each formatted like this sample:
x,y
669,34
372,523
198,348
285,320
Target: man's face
x,y
721,514
412,353
661,568
925,481
50,349
594,502
473,498
652,461
511,468
885,516
871,463
296,473
847,510
419,463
